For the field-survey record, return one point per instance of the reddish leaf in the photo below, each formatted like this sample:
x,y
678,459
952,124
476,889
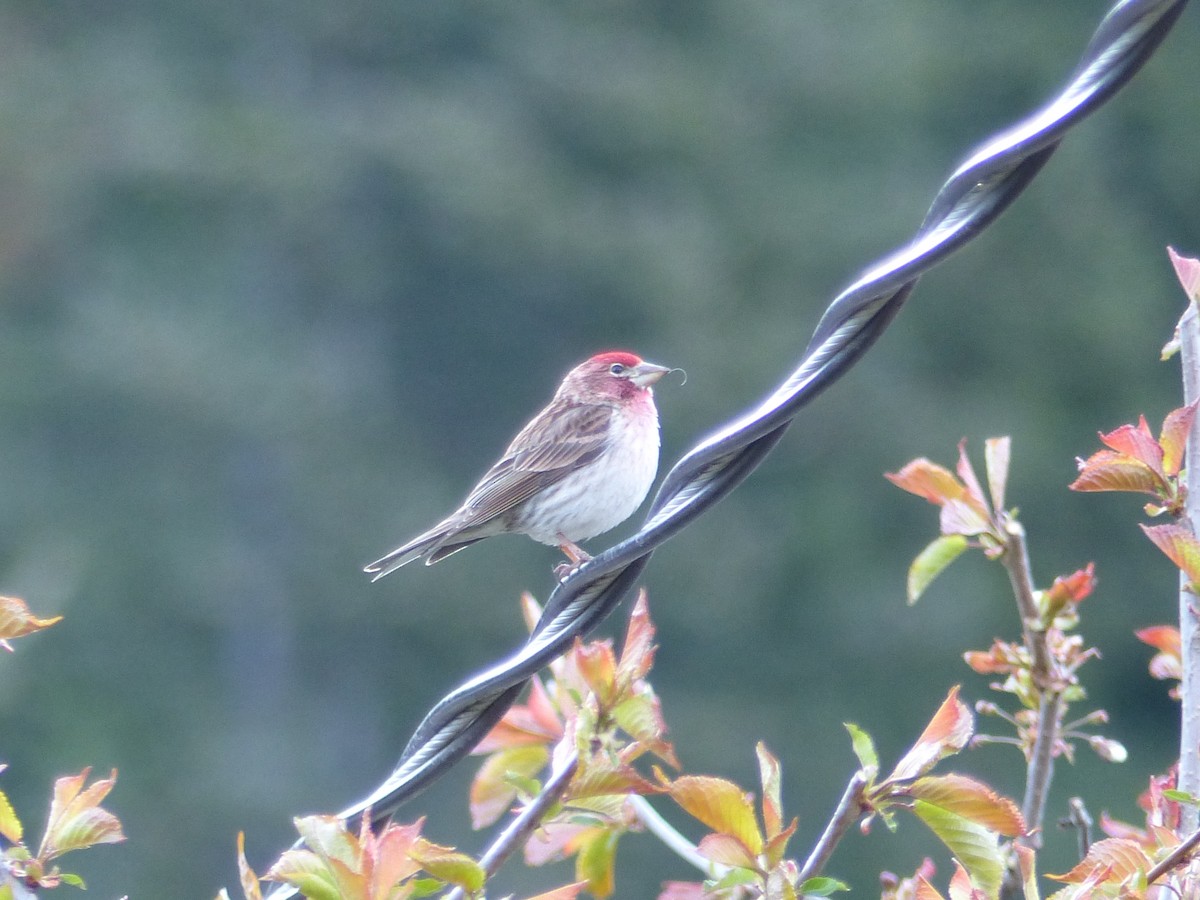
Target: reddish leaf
x,y
1074,587
966,473
535,722
598,667
727,850
1187,270
947,732
554,841
683,890
1113,860
961,887
611,782
1180,546
1137,442
972,800
925,890
1176,427
1161,637
777,845
637,653
721,805
1109,471
935,483
387,857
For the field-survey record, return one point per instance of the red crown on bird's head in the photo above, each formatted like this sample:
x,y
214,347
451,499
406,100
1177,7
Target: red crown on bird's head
x,y
621,357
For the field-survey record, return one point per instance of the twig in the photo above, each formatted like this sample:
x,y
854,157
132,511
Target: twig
x,y
1178,855
1081,820
525,823
1189,623
849,808
1050,706
1020,575
676,842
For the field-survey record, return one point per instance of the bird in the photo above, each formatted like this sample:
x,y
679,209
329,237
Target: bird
x,y
581,467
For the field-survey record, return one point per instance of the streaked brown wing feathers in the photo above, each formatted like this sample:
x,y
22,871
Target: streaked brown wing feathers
x,y
547,450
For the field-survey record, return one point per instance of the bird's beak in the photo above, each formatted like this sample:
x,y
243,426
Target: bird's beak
x,y
646,374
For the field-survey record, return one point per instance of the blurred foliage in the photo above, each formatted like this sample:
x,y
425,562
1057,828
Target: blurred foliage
x,y
278,280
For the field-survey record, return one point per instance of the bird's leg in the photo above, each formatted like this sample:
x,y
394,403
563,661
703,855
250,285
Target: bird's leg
x,y
576,556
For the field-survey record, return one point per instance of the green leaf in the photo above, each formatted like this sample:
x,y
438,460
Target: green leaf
x,y
426,887
73,880
972,800
733,878
496,784
931,561
974,846
10,825
1181,797
328,837
595,862
864,749
822,886
449,865
306,872
640,717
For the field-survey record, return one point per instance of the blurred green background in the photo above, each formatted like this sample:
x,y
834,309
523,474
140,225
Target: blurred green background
x,y
278,281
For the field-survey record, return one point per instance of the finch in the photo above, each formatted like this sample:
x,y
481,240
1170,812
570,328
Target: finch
x,y
582,466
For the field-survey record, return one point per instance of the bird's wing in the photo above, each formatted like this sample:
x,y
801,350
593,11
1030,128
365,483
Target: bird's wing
x,y
556,443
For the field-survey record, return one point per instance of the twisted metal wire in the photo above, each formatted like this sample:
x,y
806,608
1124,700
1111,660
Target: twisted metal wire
x,y
975,194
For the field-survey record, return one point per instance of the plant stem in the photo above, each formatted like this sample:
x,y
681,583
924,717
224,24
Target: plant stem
x,y
1178,855
1189,625
849,808
676,842
526,822
1020,576
1050,705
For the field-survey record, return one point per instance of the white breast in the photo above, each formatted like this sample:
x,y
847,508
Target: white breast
x,y
605,493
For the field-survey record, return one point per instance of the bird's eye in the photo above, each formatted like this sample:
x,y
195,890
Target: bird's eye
x,y
616,368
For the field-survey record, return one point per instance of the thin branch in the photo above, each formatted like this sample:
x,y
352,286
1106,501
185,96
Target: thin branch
x,y
1020,575
1177,856
676,842
525,823
849,808
1189,623
1081,820
1045,680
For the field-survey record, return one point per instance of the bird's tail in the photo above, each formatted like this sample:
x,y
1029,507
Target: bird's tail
x,y
432,546
418,547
